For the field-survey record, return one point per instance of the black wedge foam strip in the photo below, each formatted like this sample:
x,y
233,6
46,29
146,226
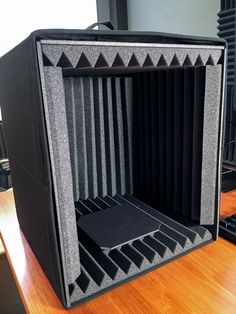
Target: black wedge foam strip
x,y
99,118
100,270
187,139
229,127
226,28
178,139
168,138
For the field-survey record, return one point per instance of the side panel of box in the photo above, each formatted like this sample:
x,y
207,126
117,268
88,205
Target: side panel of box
x,y
21,103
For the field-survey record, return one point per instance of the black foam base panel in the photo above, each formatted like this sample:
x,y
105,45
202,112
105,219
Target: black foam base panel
x,y
117,226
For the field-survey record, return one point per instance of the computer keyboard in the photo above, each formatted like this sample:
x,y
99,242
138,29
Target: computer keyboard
x,y
228,228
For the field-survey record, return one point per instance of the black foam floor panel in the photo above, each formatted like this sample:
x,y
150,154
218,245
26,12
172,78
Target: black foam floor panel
x,y
117,225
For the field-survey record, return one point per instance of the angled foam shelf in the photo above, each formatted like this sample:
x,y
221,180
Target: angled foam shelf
x,y
114,141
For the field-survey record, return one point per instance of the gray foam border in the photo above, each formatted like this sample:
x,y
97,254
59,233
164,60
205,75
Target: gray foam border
x,y
109,51
54,106
210,143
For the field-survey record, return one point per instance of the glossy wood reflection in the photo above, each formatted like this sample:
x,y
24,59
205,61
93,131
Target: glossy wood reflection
x,y
203,281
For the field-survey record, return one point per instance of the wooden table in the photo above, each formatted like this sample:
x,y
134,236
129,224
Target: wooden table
x,y
203,281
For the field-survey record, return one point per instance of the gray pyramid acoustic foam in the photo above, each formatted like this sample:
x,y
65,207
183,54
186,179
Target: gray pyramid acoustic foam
x,y
123,138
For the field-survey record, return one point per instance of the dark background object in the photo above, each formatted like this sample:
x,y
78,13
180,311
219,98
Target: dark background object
x,y
227,31
228,228
3,149
5,179
114,11
228,179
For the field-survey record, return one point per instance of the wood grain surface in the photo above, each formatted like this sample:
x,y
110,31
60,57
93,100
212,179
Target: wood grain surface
x,y
203,281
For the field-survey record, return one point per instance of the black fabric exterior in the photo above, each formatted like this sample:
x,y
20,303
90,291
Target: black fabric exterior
x,y
22,110
27,145
134,36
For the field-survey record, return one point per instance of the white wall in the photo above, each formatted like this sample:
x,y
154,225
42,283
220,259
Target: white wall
x,y
189,17
20,17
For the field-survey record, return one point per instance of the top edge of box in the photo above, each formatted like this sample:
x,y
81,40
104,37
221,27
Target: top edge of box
x,y
130,36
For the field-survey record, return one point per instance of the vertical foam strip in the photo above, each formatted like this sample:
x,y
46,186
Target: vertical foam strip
x,y
109,136
187,140
90,136
81,139
231,128
136,156
147,136
210,143
162,136
100,136
119,136
227,124
61,169
140,127
155,153
199,93
169,139
127,112
71,114
178,139
234,127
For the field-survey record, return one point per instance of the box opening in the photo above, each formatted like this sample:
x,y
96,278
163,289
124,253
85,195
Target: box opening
x,y
138,143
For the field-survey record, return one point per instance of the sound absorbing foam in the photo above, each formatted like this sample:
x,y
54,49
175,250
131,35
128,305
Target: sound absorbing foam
x,y
58,142
210,143
100,109
110,51
114,136
102,269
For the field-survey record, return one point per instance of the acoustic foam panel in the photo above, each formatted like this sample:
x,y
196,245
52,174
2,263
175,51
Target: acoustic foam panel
x,y
126,125
226,27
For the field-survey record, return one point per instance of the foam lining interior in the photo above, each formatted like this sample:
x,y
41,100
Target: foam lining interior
x,y
140,134
136,138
